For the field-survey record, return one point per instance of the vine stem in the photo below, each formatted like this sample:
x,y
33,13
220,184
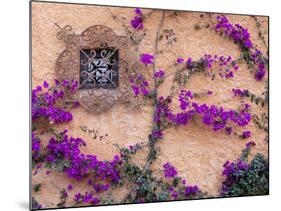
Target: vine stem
x,y
259,31
211,20
191,71
155,97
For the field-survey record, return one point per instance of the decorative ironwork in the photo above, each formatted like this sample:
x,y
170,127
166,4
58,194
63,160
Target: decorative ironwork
x,y
98,68
102,63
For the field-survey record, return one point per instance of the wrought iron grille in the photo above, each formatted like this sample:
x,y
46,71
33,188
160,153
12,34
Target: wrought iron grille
x,y
99,68
103,63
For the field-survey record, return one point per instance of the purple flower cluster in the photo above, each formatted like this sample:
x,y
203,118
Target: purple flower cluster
x,y
189,62
137,21
57,115
211,115
146,58
140,85
180,60
218,116
184,99
46,101
260,73
209,92
240,93
236,32
169,170
36,205
77,197
98,187
68,85
230,168
66,148
157,134
228,130
182,118
240,35
232,173
226,65
163,112
138,11
233,170
173,193
246,134
86,198
69,187
189,190
79,166
36,146
162,109
249,144
256,57
159,74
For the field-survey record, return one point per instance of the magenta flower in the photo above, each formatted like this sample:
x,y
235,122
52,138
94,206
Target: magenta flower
x,y
137,22
87,197
135,90
169,170
180,60
65,82
173,192
236,32
249,144
229,75
47,104
77,197
45,84
38,89
95,200
157,134
57,83
140,86
240,93
184,99
69,187
188,62
146,58
159,74
82,165
259,75
144,91
228,130
191,190
246,134
241,36
138,11
36,146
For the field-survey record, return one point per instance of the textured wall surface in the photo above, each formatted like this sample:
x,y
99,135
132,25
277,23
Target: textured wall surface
x,y
195,150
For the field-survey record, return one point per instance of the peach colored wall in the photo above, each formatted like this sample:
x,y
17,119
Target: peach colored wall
x,y
196,151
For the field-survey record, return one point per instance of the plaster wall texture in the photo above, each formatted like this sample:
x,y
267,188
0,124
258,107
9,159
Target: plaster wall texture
x,y
196,151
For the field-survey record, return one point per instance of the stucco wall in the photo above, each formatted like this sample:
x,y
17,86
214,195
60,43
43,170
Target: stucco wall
x,y
196,151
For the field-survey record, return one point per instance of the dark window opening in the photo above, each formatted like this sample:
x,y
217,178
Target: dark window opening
x,y
99,68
